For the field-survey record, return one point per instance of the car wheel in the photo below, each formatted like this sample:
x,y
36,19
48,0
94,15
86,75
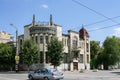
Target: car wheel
x,y
45,78
30,78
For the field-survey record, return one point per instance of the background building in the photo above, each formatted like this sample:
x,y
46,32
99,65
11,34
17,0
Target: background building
x,y
77,49
76,44
5,37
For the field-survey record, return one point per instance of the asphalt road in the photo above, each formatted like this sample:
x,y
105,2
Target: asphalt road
x,y
87,75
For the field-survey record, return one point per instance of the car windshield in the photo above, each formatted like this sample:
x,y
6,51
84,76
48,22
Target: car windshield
x,y
44,70
53,70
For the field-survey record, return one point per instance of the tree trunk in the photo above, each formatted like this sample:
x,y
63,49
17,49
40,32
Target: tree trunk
x,y
105,67
55,67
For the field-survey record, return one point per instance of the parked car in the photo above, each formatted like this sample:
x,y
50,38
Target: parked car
x,y
45,74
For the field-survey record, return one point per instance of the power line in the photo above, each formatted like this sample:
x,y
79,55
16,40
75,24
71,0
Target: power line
x,y
107,18
100,21
79,3
97,22
104,27
98,14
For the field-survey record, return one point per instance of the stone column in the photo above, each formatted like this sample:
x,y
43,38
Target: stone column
x,y
85,54
70,55
89,50
49,38
44,54
38,48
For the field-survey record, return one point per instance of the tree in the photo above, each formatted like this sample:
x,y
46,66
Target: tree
x,y
55,51
111,53
94,50
7,56
29,52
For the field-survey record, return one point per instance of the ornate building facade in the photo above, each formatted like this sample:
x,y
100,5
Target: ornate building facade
x,y
76,44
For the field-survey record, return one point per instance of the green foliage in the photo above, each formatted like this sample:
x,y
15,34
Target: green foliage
x,y
111,53
107,55
100,57
7,55
55,52
94,50
29,52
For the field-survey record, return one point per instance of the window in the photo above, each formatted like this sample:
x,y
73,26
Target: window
x,y
87,58
65,57
36,39
76,55
82,45
11,37
41,39
41,57
87,47
21,42
74,42
81,58
46,39
47,58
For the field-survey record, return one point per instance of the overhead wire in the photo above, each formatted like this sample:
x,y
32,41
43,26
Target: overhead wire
x,y
103,27
79,3
98,22
101,21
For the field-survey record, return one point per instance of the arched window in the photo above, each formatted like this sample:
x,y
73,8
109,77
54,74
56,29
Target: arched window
x,y
41,39
21,41
74,42
46,39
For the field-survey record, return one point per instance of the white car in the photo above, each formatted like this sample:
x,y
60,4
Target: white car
x,y
45,74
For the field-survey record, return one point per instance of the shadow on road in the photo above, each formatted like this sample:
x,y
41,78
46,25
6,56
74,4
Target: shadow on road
x,y
118,73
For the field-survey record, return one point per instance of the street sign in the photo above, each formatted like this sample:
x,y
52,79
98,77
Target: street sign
x,y
17,58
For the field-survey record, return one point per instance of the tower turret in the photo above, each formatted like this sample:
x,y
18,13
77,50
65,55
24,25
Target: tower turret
x,y
83,33
51,22
33,21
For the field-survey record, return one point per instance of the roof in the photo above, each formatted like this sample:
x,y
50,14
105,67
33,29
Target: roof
x,y
73,31
83,32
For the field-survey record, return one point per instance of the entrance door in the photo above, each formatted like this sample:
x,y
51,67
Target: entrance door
x,y
75,65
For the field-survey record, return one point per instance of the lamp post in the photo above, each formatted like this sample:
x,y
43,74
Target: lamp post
x,y
17,53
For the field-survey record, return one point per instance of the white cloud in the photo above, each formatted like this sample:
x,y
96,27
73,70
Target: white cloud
x,y
117,29
44,6
117,32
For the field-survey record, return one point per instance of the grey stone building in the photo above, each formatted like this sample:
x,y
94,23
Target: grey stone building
x,y
76,44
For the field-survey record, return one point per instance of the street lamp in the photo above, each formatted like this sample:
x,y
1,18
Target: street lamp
x,y
17,53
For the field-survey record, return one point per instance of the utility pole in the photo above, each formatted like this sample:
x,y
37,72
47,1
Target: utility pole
x,y
17,53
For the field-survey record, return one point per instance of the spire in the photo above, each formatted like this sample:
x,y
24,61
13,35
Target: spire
x,y
51,22
33,21
82,26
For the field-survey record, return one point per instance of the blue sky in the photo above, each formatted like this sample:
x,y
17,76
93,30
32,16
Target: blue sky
x,y
66,13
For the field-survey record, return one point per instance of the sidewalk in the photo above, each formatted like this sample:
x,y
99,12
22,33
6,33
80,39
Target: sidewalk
x,y
13,72
92,71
